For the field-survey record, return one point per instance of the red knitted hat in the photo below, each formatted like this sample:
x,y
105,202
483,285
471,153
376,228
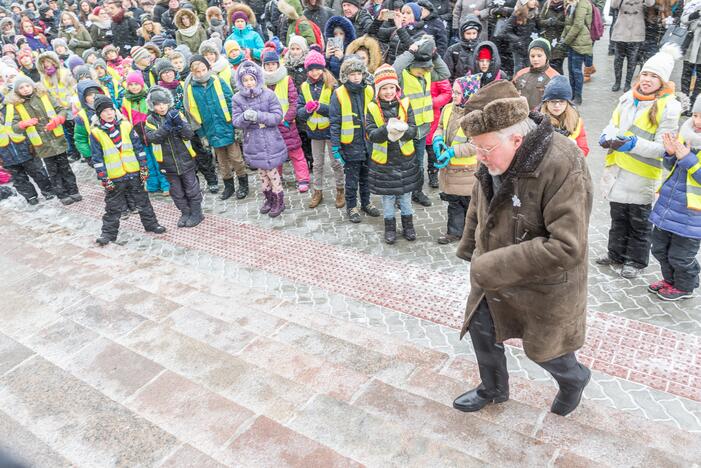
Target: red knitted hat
x,y
384,75
484,54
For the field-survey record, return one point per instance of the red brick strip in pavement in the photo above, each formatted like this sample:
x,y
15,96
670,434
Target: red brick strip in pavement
x,y
639,352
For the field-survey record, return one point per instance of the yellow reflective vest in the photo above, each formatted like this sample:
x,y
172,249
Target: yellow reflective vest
x,y
419,98
693,188
6,132
32,133
459,139
118,162
317,120
347,126
192,103
158,149
379,150
642,128
60,90
282,91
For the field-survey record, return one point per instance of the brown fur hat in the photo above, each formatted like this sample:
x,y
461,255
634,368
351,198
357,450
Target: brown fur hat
x,y
495,107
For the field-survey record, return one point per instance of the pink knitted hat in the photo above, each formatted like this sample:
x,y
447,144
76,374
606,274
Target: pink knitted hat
x,y
314,60
135,76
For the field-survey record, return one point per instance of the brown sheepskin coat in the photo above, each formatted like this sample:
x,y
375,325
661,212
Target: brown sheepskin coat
x,y
527,245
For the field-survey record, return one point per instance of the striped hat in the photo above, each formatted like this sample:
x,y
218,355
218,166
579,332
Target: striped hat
x,y
385,75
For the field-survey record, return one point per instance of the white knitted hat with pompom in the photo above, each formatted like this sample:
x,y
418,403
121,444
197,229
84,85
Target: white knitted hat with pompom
x,y
662,63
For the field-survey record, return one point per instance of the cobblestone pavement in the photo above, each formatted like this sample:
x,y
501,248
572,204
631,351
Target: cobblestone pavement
x,y
306,341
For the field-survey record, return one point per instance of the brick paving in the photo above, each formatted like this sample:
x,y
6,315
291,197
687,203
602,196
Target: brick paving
x,y
258,342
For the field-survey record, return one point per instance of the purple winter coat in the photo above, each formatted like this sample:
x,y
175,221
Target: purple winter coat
x,y
289,132
263,146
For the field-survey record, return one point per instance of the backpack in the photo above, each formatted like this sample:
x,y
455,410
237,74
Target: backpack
x,y
596,29
318,37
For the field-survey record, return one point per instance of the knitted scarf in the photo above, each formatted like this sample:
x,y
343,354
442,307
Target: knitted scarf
x,y
133,97
272,78
190,31
169,85
639,96
112,130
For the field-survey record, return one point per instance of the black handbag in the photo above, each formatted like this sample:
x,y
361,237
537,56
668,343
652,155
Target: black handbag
x,y
678,34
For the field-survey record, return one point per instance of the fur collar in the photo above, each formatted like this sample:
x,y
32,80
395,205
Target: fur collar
x,y
526,161
690,136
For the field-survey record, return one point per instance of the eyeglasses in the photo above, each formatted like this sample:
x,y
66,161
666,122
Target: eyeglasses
x,y
557,102
485,151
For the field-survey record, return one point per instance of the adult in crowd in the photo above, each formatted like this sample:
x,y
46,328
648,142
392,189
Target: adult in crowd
x,y
526,237
628,33
124,27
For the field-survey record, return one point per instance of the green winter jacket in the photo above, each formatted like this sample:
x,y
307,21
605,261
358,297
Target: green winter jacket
x,y
78,41
52,145
576,34
81,138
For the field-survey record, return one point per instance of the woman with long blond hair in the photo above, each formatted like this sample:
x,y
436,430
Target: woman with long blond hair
x,y
77,37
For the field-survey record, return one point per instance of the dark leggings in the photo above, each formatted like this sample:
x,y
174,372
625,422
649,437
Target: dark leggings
x,y
629,52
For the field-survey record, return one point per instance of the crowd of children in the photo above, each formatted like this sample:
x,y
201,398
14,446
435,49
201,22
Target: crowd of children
x,y
377,94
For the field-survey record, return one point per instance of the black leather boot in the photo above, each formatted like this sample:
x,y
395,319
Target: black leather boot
x,y
408,230
229,189
390,230
477,398
242,192
567,399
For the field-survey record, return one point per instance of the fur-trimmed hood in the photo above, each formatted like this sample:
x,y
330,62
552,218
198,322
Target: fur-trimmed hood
x,y
162,92
50,55
290,8
213,12
343,23
14,98
373,48
242,7
6,20
690,137
83,86
178,18
249,68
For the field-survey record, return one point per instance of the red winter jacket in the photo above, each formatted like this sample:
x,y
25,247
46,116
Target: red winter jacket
x,y
442,94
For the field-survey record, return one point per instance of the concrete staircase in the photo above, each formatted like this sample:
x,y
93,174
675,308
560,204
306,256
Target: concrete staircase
x,y
112,358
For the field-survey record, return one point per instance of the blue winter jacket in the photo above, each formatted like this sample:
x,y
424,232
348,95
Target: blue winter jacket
x,y
15,153
670,212
99,160
248,38
214,127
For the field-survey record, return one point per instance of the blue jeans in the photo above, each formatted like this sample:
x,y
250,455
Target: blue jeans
x,y
388,202
574,66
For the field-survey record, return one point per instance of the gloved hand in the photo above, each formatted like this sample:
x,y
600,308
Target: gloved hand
x,y
439,145
173,116
107,184
28,123
604,143
444,158
55,122
143,173
336,151
250,115
396,129
628,143
60,120
312,106
167,124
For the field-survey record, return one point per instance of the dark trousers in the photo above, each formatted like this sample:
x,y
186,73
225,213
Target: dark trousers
x,y
185,191
457,210
491,360
21,174
687,72
431,155
677,257
68,128
420,149
558,65
629,236
575,62
116,204
356,173
204,161
61,175
629,52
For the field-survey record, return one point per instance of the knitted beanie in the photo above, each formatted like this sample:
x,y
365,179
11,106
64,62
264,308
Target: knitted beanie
x,y
210,46
352,2
20,80
135,77
82,72
662,63
169,43
314,61
485,53
101,103
239,15
163,65
540,43
99,63
300,42
415,9
88,53
558,88
139,53
198,58
230,45
74,61
158,95
58,42
270,55
385,75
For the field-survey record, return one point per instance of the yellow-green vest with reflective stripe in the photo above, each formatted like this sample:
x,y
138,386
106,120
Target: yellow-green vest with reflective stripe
x,y
574,135
379,150
6,132
693,188
60,91
192,103
420,98
158,149
118,162
459,139
317,120
347,127
226,75
32,133
282,91
631,162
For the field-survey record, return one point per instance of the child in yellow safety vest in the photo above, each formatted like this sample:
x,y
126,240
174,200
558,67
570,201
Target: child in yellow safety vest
x,y
120,162
456,157
313,109
169,135
39,116
393,167
87,90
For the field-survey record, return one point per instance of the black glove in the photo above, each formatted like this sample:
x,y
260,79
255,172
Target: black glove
x,y
695,15
617,143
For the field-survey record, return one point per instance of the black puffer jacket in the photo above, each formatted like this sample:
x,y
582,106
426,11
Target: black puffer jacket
x,y
124,34
361,22
401,174
176,157
459,56
319,13
358,149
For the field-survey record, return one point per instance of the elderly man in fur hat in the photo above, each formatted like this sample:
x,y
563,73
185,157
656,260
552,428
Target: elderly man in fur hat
x,y
526,238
